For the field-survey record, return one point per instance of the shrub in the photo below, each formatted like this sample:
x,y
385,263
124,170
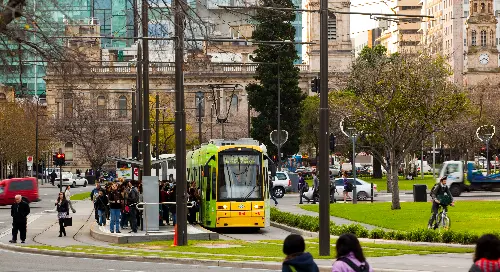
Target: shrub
x,y
377,234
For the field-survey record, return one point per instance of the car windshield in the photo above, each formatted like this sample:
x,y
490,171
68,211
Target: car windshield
x,y
240,177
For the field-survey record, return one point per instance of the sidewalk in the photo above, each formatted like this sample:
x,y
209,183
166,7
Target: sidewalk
x,y
289,203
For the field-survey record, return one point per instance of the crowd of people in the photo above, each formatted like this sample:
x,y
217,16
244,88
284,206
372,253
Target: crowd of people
x,y
118,202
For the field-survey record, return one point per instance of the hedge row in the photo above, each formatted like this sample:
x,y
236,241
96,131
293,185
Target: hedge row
x,y
311,223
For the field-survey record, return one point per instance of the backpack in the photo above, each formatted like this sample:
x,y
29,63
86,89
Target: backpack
x,y
349,187
362,268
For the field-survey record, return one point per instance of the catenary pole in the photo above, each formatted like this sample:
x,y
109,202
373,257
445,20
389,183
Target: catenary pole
x,y
180,125
324,203
146,135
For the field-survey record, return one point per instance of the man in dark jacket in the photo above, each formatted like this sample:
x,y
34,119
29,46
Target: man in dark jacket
x,y
132,200
296,259
19,212
438,193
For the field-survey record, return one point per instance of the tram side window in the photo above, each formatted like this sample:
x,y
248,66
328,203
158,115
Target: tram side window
x,y
208,186
214,183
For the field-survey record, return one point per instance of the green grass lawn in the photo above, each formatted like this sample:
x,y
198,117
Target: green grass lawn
x,y
404,185
80,196
247,251
474,216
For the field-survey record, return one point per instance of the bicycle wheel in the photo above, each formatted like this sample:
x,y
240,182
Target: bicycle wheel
x,y
443,222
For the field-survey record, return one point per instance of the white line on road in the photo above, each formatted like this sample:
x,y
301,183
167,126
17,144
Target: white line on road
x,y
31,218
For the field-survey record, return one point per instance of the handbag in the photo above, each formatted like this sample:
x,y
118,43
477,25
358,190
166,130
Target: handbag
x,y
68,221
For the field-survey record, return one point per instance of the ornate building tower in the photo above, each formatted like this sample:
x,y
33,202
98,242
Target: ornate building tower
x,y
482,54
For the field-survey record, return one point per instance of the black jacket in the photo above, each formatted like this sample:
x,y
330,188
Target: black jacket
x,y
19,211
63,207
101,203
440,190
302,263
115,200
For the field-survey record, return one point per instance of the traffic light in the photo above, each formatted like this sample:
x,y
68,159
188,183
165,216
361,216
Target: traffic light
x,y
315,85
274,158
332,142
59,159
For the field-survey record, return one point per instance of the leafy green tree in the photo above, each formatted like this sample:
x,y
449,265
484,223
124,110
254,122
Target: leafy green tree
x,y
274,25
309,122
398,101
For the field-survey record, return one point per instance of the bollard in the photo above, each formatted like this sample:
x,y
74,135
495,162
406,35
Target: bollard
x,y
371,185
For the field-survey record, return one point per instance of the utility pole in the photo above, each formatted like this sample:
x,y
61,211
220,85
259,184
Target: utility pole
x,y
180,125
279,116
200,97
324,204
36,140
146,135
157,140
138,105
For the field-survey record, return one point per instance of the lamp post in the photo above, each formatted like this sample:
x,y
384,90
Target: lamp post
x,y
350,131
199,97
485,134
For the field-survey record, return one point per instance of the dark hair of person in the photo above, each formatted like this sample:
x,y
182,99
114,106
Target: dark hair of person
x,y
293,244
348,243
64,196
488,247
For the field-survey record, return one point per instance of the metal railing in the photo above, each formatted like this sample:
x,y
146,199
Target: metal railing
x,y
140,207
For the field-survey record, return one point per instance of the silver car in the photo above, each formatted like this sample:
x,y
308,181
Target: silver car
x,y
363,188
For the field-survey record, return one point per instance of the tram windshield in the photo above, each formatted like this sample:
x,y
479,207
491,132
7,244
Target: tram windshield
x,y
240,177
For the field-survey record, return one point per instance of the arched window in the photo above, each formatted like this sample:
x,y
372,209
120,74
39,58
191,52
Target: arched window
x,y
475,7
68,151
492,38
483,37
234,102
101,106
68,105
483,7
332,26
473,42
122,106
2,97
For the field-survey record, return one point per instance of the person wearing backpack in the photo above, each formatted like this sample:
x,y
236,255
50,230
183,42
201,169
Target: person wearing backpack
x,y
350,256
296,259
347,187
438,195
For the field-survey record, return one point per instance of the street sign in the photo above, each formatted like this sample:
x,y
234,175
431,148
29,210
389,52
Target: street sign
x,y
29,161
136,171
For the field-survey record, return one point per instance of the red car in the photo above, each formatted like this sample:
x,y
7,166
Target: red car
x,y
26,187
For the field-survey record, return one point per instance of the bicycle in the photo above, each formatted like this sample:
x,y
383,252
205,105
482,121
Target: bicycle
x,y
442,220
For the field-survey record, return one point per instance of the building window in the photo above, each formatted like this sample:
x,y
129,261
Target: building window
x,y
465,42
2,97
466,2
483,7
199,104
122,106
332,26
68,105
101,106
490,10
473,43
483,37
475,7
234,102
466,13
68,151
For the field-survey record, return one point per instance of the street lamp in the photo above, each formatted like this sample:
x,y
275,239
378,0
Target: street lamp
x,y
485,133
350,131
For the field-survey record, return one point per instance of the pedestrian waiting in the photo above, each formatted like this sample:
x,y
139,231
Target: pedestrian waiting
x,y
296,259
19,212
350,256
487,255
62,212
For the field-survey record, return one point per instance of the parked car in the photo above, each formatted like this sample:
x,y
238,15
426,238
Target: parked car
x,y
73,180
335,170
281,184
26,187
363,188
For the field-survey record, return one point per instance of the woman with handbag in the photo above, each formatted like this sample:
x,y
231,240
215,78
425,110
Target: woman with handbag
x,y
62,207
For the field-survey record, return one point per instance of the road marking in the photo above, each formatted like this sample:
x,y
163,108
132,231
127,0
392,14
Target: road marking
x,y
31,218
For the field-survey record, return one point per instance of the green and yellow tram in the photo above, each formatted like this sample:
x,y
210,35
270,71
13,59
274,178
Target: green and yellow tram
x,y
233,178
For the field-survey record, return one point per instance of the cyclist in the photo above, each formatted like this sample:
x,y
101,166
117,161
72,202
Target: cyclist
x,y
440,195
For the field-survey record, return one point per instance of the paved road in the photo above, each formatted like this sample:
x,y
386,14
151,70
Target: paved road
x,y
48,195
20,262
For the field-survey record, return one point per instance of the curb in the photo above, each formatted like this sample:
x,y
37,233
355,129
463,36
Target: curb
x,y
368,240
124,239
219,263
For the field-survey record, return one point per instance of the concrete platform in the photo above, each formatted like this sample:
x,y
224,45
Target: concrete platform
x,y
165,233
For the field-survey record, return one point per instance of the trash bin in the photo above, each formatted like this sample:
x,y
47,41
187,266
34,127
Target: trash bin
x,y
294,178
420,193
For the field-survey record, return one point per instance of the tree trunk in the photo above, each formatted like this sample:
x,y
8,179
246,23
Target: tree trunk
x,y
395,184
377,168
